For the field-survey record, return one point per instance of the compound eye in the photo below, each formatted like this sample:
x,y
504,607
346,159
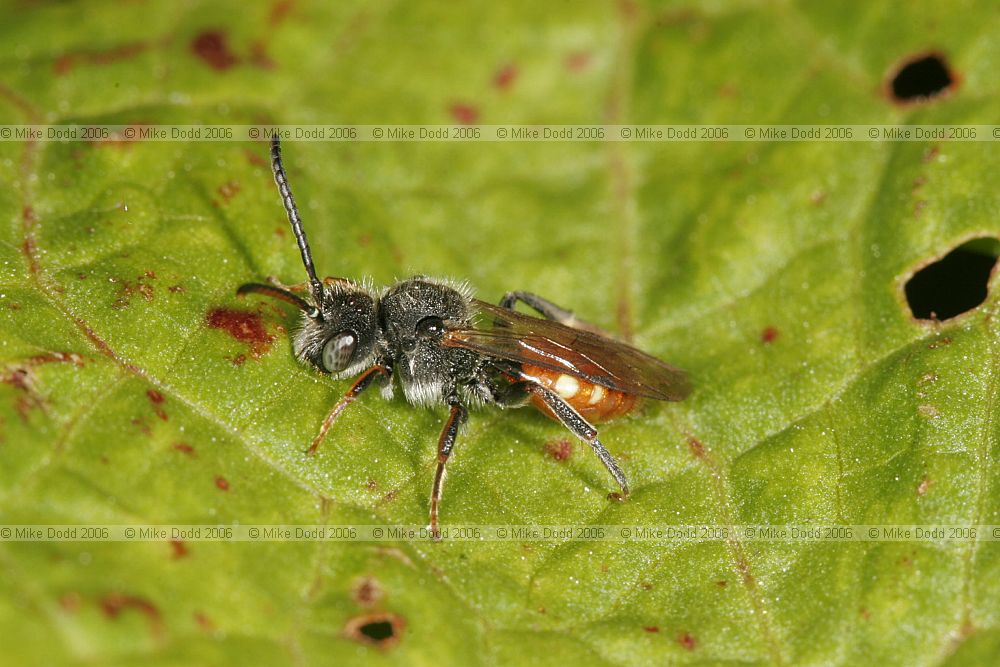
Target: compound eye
x,y
338,351
430,327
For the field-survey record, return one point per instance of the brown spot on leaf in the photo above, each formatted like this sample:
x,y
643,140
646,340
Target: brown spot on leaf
x,y
142,286
927,378
367,591
769,335
577,61
245,326
464,114
394,552
156,398
221,483
646,586
67,61
113,604
929,411
722,583
941,342
254,159
931,153
184,448
743,566
70,602
142,424
21,376
651,628
178,549
279,11
697,449
212,47
382,630
259,57
238,360
228,190
505,76
686,641
616,496
204,622
30,251
559,450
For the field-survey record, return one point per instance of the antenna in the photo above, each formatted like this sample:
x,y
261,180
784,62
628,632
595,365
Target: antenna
x,y
293,217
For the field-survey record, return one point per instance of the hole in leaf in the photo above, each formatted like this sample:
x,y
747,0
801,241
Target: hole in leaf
x,y
382,630
377,631
954,284
921,78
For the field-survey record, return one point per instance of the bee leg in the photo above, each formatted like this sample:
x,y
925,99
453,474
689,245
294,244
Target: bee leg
x,y
580,427
445,444
383,371
550,311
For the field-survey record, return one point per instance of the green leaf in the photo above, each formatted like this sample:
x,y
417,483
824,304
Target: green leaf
x,y
772,272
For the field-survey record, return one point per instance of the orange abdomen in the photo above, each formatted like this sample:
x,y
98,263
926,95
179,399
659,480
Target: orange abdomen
x,y
594,402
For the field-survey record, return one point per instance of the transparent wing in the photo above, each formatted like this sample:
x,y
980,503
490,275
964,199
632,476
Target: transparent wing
x,y
510,335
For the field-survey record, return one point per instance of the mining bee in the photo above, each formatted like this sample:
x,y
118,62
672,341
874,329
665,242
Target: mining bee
x,y
445,347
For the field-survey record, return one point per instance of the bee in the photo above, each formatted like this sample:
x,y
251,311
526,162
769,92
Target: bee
x,y
446,348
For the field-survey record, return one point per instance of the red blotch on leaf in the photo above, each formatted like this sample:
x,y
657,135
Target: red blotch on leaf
x,y
213,48
686,641
505,76
113,604
245,326
179,548
156,398
67,61
560,449
228,190
279,11
769,335
367,591
204,622
651,628
221,483
184,448
578,61
466,114
697,449
70,602
254,159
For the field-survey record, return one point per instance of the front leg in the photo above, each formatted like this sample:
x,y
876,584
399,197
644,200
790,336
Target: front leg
x,y
378,371
445,444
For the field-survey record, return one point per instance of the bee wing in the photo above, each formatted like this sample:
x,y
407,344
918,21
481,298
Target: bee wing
x,y
610,363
